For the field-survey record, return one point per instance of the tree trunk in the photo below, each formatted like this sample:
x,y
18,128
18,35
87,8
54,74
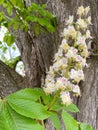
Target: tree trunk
x,y
88,102
37,55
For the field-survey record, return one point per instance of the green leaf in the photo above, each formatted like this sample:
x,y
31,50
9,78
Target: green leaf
x,y
55,121
1,1
31,18
14,48
1,103
35,6
57,106
4,49
10,120
16,25
69,121
24,104
46,98
46,23
12,62
44,6
72,108
36,29
3,122
9,9
54,21
9,39
26,94
84,126
18,3
29,109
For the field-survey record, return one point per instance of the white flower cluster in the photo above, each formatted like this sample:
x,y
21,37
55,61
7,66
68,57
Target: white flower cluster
x,y
69,61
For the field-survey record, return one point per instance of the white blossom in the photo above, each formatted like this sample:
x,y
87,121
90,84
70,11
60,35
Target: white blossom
x,y
76,75
60,63
76,89
59,54
87,9
82,24
88,20
88,34
66,99
65,32
81,40
80,10
69,32
71,52
64,45
70,20
72,32
61,83
50,87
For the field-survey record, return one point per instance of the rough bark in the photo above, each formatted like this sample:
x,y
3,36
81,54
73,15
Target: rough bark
x,y
88,102
37,54
10,81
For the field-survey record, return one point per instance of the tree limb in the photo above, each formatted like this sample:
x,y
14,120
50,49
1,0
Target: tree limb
x,y
10,81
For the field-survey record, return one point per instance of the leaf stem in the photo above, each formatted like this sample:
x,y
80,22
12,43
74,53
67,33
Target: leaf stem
x,y
43,125
53,101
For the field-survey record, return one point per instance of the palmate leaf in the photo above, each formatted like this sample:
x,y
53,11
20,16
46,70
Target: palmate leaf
x,y
69,121
55,121
26,94
23,103
10,120
32,94
72,108
29,109
3,121
84,126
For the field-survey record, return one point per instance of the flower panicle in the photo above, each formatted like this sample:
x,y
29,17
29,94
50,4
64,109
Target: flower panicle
x,y
67,69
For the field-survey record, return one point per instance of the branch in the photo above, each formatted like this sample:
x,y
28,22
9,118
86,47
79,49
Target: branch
x,y
10,81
